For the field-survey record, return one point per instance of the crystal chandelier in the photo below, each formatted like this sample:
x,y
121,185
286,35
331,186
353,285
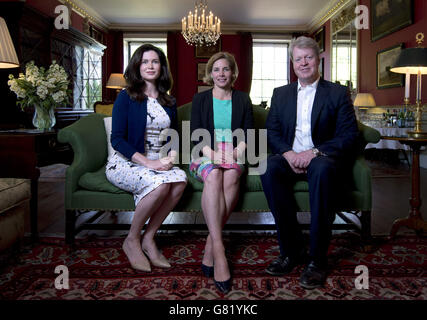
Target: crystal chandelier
x,y
201,29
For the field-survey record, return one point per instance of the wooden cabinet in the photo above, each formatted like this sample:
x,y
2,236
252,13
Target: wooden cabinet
x,y
22,152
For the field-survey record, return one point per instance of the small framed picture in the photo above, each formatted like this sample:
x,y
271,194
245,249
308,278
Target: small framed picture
x,y
203,88
201,67
386,59
319,36
207,52
322,68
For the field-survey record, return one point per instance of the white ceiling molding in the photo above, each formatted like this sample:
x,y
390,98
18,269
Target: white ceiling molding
x,y
331,10
85,11
224,28
332,7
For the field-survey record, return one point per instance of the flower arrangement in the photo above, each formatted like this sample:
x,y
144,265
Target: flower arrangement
x,y
42,89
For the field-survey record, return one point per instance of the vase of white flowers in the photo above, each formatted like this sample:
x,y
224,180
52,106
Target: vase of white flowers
x,y
42,89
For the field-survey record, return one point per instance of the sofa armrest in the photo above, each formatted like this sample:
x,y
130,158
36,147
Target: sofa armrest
x,y
362,179
89,143
369,134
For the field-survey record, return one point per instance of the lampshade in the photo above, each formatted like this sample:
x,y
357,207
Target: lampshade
x,y
364,100
411,60
116,81
8,57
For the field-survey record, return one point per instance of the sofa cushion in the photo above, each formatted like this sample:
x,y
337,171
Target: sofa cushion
x,y
107,124
13,191
251,182
97,181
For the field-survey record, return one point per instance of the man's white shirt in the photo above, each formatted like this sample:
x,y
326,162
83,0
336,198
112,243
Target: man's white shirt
x,y
305,100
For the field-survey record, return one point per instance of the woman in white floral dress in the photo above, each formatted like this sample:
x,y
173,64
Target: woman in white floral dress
x,y
140,113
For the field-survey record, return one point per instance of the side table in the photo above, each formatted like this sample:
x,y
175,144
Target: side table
x,y
22,151
414,220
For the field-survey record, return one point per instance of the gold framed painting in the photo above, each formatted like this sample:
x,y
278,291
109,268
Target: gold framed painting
x,y
203,88
201,67
386,59
390,16
319,36
207,52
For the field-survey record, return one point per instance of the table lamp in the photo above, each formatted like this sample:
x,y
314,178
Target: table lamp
x,y
363,101
116,81
414,61
8,57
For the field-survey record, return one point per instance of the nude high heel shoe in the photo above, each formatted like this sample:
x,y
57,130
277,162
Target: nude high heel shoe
x,y
160,262
140,265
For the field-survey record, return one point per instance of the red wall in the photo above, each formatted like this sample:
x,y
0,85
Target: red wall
x,y
186,69
368,51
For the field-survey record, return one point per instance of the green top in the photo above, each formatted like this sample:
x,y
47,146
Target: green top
x,y
222,120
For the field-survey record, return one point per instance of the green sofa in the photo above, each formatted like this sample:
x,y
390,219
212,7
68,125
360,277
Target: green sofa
x,y
87,189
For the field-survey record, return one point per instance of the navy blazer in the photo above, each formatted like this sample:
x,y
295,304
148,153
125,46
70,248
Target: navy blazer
x,y
129,122
202,114
334,128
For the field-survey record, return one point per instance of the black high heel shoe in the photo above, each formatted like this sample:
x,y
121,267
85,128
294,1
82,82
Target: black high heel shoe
x,y
208,271
223,286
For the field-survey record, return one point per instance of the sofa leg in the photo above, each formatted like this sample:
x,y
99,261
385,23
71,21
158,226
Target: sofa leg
x,y
365,220
70,225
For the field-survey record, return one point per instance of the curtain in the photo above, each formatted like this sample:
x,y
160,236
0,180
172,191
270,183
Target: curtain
x,y
246,62
112,62
172,39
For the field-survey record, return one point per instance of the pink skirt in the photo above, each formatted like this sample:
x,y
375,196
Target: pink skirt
x,y
201,167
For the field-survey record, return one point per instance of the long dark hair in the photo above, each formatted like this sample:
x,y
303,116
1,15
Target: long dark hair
x,y
136,85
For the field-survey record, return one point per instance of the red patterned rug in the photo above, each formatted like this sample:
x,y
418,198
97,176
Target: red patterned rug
x,y
98,270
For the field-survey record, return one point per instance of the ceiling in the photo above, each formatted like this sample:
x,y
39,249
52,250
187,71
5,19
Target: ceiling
x,y
243,15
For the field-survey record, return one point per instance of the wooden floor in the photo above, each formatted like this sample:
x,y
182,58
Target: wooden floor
x,y
390,194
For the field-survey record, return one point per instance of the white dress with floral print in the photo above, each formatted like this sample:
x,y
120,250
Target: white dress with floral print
x,y
136,178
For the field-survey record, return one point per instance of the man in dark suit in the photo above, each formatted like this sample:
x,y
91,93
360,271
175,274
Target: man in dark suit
x,y
312,132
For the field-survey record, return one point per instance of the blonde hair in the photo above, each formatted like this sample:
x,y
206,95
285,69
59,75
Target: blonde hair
x,y
217,56
303,42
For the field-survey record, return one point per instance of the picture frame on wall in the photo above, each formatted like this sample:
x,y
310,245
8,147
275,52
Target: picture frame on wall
x,y
207,52
386,59
322,68
203,88
319,36
390,16
201,67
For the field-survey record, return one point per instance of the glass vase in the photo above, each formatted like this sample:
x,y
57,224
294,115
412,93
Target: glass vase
x,y
43,119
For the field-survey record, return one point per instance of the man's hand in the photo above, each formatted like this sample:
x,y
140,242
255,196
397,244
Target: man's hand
x,y
291,157
303,159
299,161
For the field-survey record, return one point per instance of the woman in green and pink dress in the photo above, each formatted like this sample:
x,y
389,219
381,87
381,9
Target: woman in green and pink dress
x,y
226,114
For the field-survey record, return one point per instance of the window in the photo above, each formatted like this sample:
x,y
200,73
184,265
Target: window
x,y
270,69
87,79
345,65
344,49
81,58
131,44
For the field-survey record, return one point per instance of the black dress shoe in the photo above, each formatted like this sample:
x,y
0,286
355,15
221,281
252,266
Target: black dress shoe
x,y
223,286
313,276
284,265
208,271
